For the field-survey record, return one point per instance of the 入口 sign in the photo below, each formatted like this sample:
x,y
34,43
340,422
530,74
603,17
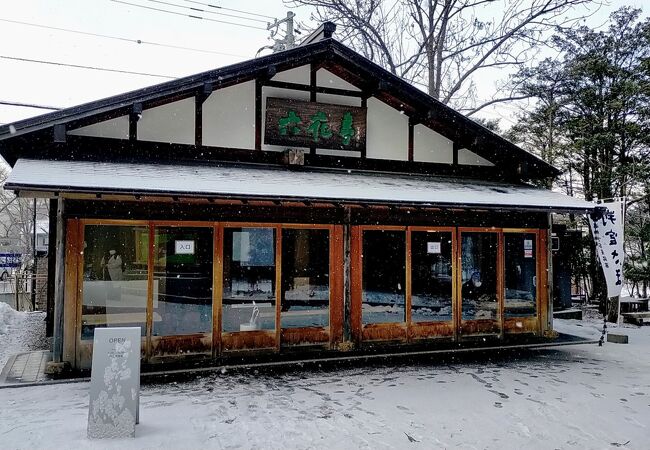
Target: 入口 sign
x,y
295,123
184,247
114,383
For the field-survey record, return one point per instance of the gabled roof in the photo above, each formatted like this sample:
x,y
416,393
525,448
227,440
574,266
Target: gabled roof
x,y
371,76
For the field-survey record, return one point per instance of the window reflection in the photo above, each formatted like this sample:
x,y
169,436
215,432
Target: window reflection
x,y
248,279
479,275
305,278
431,276
182,281
520,274
384,266
114,277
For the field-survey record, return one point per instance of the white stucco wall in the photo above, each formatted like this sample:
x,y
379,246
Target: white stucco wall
x,y
117,128
298,75
387,133
229,117
173,123
327,79
429,146
469,158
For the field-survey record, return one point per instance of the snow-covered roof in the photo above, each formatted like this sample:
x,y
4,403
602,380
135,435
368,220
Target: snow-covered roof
x,y
255,182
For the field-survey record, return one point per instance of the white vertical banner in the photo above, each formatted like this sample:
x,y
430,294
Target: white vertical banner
x,y
608,237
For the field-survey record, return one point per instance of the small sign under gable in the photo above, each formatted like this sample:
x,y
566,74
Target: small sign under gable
x,y
296,123
433,247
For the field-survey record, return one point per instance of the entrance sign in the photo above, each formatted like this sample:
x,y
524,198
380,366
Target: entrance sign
x,y
115,383
296,123
184,247
608,237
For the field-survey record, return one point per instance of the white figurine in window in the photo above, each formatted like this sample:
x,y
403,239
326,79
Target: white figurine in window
x,y
113,265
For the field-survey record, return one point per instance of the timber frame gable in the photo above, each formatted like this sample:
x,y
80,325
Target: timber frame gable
x,y
48,136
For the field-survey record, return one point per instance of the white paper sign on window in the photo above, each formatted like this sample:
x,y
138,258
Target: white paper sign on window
x,y
528,248
608,237
434,247
184,247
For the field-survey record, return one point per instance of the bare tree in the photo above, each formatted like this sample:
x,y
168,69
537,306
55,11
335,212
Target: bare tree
x,y
444,45
17,218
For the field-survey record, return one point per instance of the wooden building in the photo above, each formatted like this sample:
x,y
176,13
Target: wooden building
x,y
305,201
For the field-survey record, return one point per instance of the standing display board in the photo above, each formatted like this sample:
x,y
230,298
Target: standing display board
x,y
115,383
295,123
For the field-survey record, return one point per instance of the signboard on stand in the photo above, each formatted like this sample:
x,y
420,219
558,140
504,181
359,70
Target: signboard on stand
x,y
114,383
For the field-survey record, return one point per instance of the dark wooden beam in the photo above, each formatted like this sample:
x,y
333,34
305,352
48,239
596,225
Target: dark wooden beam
x,y
59,133
364,104
200,98
313,84
456,147
410,139
134,117
258,113
308,87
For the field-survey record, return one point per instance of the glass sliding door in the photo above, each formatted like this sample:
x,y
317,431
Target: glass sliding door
x,y
182,281
520,275
305,278
479,282
431,276
384,276
249,283
114,282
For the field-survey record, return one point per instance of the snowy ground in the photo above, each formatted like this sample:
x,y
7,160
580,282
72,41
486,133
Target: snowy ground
x,y
20,332
573,397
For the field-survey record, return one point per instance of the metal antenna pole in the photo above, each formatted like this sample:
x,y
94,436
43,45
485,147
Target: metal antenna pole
x,y
289,40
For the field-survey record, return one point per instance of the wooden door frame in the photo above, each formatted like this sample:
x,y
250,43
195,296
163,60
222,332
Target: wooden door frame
x,y
389,331
526,324
482,327
201,344
432,329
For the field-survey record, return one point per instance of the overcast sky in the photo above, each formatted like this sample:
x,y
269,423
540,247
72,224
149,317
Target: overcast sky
x,y
42,84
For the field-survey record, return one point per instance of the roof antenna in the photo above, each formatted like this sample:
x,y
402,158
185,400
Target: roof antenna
x,y
289,39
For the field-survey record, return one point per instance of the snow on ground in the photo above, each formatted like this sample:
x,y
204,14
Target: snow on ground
x,y
20,332
584,397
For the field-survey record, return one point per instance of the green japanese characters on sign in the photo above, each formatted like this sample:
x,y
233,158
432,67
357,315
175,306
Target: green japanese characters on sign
x,y
318,126
299,123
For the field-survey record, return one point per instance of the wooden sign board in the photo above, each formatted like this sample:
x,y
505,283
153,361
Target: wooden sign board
x,y
296,123
114,383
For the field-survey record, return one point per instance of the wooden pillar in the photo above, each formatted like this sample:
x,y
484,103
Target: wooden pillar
x,y
313,69
410,138
258,114
59,284
51,267
134,117
347,285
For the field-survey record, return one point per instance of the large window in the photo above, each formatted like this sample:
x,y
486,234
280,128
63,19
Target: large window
x,y
305,278
520,274
384,267
479,275
114,277
182,281
431,276
248,279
